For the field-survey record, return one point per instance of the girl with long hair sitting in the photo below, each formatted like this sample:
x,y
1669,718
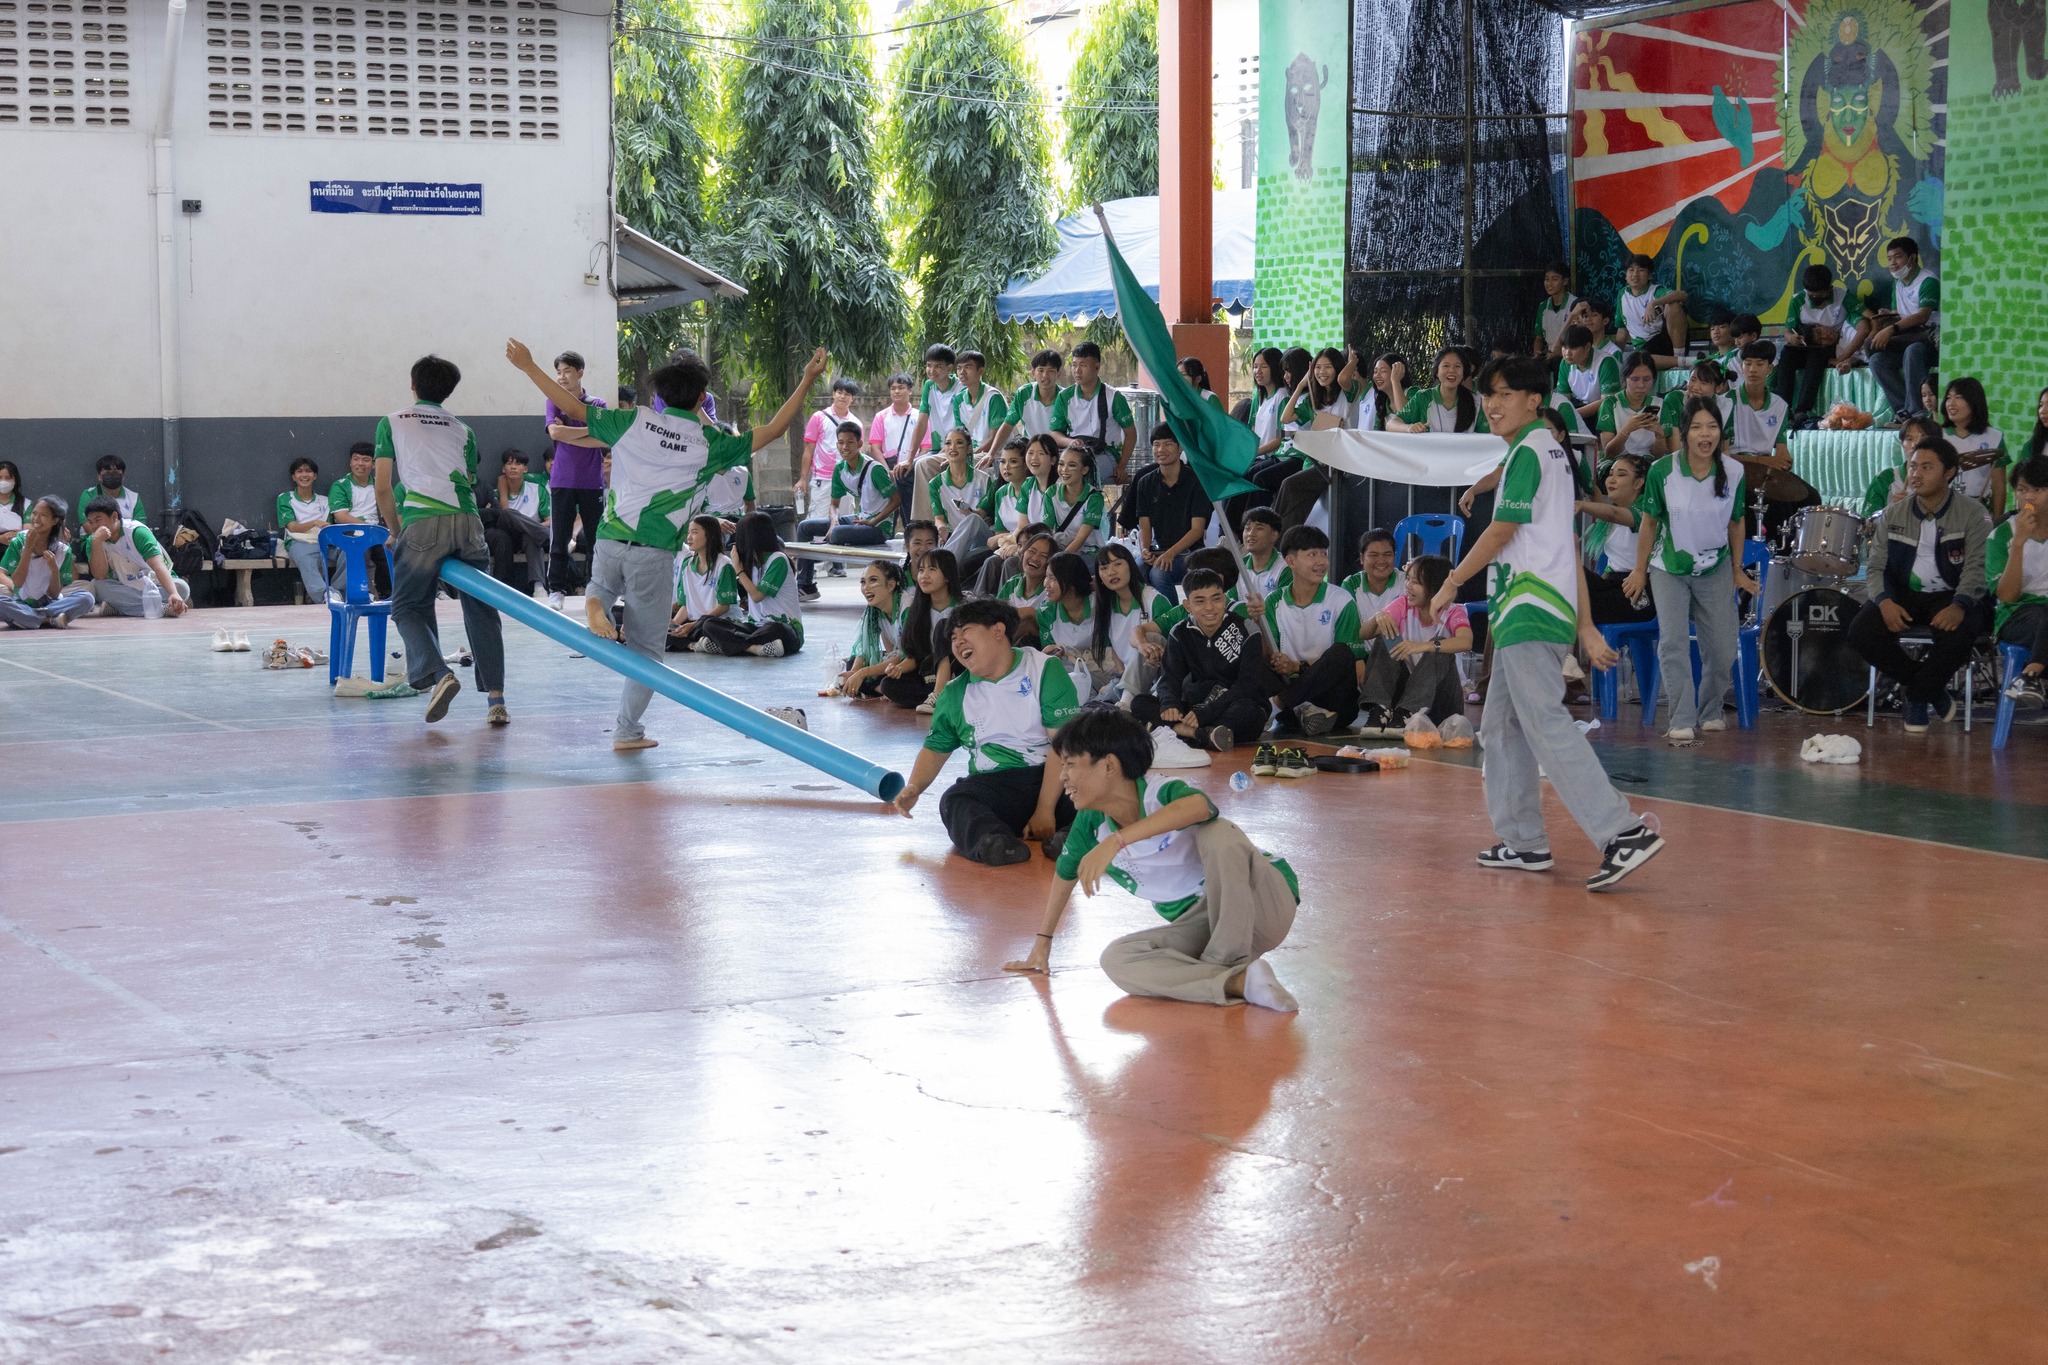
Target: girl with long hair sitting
x,y
927,639
706,586
770,621
878,643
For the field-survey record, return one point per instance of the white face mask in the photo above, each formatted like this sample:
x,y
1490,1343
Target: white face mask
x,y
6,487
1901,273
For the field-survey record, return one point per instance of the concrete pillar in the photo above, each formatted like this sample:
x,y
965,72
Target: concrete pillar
x,y
1186,199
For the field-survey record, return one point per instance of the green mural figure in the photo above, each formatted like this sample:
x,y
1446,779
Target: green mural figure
x,y
1858,129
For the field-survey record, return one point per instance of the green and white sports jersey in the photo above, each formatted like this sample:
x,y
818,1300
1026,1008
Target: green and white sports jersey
x,y
1568,413
1673,408
1058,628
35,587
1730,362
1424,409
727,493
1610,547
1371,603
937,404
1614,410
1976,483
951,502
1640,317
1165,869
434,456
533,501
291,507
1005,722
778,580
129,553
1255,582
129,500
1343,408
1103,414
1692,523
1304,631
1910,296
357,499
1149,605
1552,319
1754,430
1535,590
1600,377
661,462
1997,555
868,482
1032,410
703,590
881,632
1018,594
1269,416
1878,496
1009,506
1067,520
981,413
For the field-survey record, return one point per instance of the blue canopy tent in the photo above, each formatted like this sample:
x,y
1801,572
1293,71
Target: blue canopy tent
x,y
1077,286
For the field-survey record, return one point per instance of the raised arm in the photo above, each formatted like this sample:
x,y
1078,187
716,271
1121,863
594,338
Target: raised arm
x,y
772,430
571,404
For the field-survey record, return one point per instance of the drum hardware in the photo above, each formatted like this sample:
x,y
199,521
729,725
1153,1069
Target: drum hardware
x,y
1807,657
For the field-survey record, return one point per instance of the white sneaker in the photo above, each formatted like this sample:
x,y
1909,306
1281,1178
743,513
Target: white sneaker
x,y
1718,723
1169,750
1679,736
222,643
554,601
791,715
241,645
924,708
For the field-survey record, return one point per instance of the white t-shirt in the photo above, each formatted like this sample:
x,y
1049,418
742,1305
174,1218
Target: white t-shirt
x,y
1976,483
10,520
1259,584
974,412
1757,431
1639,313
306,509
1926,568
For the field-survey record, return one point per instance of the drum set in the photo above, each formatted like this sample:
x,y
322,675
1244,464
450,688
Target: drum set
x,y
1813,589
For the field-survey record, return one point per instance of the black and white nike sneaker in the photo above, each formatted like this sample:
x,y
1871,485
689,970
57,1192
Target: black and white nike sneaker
x,y
1624,855
1500,855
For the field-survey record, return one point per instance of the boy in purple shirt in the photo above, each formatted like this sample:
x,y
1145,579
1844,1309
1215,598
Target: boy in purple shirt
x,y
576,481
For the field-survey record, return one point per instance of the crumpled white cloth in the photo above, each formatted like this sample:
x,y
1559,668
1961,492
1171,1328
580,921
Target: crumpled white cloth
x,y
1831,749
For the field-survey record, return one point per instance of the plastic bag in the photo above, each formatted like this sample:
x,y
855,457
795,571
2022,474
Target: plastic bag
x,y
1389,758
1830,749
1457,732
1421,732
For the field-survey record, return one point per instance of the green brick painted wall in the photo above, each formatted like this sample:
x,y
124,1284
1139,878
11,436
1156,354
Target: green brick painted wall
x,y
1994,322
1298,270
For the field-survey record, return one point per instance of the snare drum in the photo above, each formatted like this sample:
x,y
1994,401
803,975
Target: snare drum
x,y
1807,656
1827,541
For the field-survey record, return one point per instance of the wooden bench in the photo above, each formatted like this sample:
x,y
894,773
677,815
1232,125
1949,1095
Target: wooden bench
x,y
244,571
844,554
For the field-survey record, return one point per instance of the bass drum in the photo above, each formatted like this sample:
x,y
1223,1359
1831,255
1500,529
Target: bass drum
x,y
1808,659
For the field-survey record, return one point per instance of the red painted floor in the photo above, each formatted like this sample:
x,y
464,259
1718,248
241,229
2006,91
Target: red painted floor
x,y
722,1066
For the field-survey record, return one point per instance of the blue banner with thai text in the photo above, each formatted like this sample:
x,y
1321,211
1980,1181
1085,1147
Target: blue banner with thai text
x,y
398,196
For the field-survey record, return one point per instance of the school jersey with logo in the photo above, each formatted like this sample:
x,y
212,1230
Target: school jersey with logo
x,y
291,507
702,590
1692,523
980,413
661,462
1756,431
1304,631
1032,413
434,456
1535,590
357,499
129,553
1005,722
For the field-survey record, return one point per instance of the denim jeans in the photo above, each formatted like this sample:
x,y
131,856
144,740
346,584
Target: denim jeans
x,y
1901,366
416,554
1167,580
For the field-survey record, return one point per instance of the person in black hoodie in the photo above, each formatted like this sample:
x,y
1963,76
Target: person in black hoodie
x,y
1214,683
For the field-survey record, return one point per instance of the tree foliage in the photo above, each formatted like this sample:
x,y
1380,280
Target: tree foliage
x,y
662,102
798,223
1112,113
970,154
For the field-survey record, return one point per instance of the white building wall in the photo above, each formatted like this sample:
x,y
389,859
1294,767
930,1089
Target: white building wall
x,y
284,313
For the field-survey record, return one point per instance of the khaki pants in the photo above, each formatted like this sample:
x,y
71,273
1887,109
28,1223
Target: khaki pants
x,y
1244,913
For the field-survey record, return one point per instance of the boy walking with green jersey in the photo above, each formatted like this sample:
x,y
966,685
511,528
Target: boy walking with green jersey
x,y
1003,708
1537,608
1226,904
660,465
433,457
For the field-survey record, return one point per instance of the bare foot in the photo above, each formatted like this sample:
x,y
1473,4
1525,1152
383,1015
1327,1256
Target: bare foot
x,y
598,619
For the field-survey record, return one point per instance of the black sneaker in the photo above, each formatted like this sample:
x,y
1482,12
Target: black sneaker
x,y
1627,853
1216,738
1054,843
2028,690
808,594
1001,849
1265,761
1946,709
1373,720
1397,721
1500,855
1314,720
1293,763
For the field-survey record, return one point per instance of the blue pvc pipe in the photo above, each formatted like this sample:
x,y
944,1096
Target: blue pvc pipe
x,y
680,688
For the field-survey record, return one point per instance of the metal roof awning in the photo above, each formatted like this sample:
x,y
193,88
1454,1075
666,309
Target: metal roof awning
x,y
648,277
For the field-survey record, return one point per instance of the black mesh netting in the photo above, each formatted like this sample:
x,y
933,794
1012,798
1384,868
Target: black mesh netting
x,y
1456,170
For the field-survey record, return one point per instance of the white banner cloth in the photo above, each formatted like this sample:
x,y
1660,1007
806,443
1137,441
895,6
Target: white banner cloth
x,y
1429,459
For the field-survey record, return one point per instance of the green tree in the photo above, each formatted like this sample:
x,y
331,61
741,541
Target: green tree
x,y
797,204
1112,113
662,103
970,155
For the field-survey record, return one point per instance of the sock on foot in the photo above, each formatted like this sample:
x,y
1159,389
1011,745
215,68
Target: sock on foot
x,y
1263,989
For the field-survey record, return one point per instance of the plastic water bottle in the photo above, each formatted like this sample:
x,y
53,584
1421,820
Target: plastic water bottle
x,y
153,604
1240,781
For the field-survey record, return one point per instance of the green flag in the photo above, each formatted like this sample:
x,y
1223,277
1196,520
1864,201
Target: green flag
x,y
1217,448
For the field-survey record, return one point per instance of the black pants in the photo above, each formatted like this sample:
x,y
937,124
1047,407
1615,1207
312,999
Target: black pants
x,y
1331,682
1246,717
999,802
1610,605
1926,678
734,638
572,505
1299,494
1431,684
1801,371
909,691
2028,625
508,534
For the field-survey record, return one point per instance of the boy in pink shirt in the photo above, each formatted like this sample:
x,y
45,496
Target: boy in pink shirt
x,y
1413,664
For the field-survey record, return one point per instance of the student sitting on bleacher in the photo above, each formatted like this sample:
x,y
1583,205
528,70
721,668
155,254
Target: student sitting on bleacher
x,y
2016,562
864,481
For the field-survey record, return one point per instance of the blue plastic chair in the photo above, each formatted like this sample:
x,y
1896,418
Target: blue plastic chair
x,y
2015,657
1639,640
1432,531
352,602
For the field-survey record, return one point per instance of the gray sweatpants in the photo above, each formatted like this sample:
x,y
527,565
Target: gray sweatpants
x,y
1245,912
131,599
646,578
1706,604
1525,725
